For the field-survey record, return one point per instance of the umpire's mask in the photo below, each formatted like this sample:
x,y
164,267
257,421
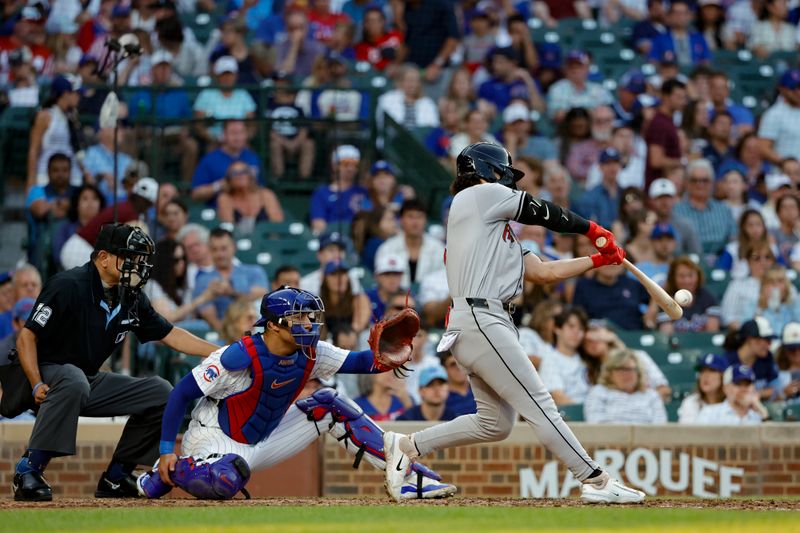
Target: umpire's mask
x,y
133,248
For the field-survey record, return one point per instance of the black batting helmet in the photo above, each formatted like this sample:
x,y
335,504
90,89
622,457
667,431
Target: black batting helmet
x,y
490,162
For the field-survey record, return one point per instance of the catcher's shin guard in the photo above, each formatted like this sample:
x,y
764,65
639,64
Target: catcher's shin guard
x,y
354,430
216,477
151,485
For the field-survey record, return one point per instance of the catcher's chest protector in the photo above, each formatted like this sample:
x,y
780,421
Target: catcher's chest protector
x,y
251,415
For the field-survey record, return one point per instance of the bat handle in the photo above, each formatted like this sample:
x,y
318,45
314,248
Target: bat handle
x,y
600,242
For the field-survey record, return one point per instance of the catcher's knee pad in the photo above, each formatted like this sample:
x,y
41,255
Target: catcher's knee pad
x,y
359,429
216,477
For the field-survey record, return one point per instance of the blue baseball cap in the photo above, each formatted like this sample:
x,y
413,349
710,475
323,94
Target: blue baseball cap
x,y
737,374
381,165
430,373
610,154
333,237
333,267
713,361
578,56
65,84
633,81
663,229
668,58
121,10
5,277
549,55
790,79
758,328
22,309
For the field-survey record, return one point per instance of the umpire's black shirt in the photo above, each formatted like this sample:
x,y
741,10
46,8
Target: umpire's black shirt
x,y
73,323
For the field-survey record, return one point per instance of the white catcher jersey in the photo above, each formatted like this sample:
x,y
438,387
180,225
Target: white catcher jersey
x,y
217,383
484,258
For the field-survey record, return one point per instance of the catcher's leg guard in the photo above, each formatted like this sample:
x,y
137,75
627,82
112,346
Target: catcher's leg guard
x,y
216,477
151,485
354,430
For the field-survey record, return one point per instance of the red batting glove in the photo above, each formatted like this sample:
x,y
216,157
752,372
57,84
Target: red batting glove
x,y
595,232
611,257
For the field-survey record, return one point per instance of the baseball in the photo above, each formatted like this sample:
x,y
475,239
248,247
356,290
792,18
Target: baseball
x,y
683,297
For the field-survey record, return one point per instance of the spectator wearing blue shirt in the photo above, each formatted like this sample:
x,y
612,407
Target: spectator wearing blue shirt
x,y
48,202
232,281
388,278
6,304
209,177
232,42
601,203
718,150
753,341
508,81
645,31
719,94
438,139
460,400
225,102
689,47
664,244
165,103
433,391
339,201
99,163
613,296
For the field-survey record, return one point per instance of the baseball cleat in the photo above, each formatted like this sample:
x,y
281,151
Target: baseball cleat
x,y
429,488
123,488
396,465
31,487
609,490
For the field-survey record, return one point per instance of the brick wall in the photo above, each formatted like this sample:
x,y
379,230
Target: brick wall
x,y
768,456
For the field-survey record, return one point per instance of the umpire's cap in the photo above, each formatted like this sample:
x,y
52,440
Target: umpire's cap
x,y
122,239
490,162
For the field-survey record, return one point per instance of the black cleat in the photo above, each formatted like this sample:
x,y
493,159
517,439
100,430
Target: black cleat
x,y
31,487
124,488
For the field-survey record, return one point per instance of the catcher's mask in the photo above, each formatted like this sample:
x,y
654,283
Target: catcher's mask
x,y
133,249
490,162
284,306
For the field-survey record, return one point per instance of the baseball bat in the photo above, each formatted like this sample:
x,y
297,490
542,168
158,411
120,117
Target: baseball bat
x,y
659,295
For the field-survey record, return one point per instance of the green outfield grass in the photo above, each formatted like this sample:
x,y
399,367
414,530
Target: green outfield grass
x,y
385,519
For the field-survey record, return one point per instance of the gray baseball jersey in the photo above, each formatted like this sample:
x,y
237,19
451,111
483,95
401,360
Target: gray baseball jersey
x,y
485,261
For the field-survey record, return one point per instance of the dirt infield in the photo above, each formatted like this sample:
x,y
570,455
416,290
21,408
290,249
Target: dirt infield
x,y
664,503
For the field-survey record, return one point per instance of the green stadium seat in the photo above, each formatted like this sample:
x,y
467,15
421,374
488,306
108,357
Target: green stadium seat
x,y
717,281
672,410
571,413
775,410
791,413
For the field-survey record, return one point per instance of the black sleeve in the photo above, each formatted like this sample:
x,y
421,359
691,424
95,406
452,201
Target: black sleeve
x,y
53,308
538,212
152,326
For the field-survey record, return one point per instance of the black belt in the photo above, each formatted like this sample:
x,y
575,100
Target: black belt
x,y
484,303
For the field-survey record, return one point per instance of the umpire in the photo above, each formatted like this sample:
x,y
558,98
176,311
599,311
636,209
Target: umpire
x,y
81,316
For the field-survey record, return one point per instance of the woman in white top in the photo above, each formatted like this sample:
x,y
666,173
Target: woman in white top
x,y
709,388
621,395
600,341
406,104
564,372
772,33
788,360
538,338
740,301
50,133
752,228
166,288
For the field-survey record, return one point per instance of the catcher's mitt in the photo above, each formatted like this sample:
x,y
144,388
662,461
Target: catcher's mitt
x,y
390,340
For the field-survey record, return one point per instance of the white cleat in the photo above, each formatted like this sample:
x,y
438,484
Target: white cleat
x,y
608,490
396,465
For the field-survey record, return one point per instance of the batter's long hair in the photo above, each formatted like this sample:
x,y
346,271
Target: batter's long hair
x,y
464,181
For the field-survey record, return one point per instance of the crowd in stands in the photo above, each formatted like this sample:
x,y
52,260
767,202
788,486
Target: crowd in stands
x,y
699,179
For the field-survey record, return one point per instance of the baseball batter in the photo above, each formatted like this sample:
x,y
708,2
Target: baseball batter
x,y
248,416
485,271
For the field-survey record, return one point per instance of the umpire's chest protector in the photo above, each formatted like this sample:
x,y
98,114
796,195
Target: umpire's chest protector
x,y
251,415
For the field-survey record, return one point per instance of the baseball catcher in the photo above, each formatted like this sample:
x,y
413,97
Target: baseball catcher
x,y
250,415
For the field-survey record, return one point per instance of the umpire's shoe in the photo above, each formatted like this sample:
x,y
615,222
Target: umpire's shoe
x,y
31,487
122,488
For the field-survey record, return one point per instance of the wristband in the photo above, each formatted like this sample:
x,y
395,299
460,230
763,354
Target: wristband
x,y
36,387
166,446
597,260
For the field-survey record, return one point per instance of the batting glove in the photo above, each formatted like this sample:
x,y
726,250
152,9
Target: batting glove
x,y
595,232
611,257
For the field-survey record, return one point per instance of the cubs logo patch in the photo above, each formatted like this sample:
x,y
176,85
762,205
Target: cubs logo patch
x,y
211,373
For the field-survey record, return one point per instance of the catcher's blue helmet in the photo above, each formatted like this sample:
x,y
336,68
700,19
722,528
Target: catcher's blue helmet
x,y
279,305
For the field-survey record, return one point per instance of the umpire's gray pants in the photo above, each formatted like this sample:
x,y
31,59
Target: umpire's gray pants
x,y
504,383
72,394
